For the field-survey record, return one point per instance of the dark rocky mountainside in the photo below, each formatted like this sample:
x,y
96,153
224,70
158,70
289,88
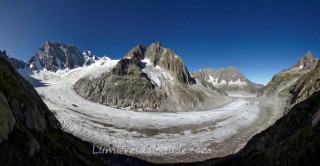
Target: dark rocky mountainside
x,y
17,64
56,55
149,78
282,82
29,133
305,86
229,79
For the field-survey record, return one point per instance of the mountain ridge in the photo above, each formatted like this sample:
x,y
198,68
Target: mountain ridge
x,y
281,82
53,56
229,79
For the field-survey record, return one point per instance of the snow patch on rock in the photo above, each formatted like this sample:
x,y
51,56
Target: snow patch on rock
x,y
156,74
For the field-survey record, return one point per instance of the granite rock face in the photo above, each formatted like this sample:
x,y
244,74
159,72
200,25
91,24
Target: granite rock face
x,y
149,79
168,60
138,52
7,120
305,86
56,55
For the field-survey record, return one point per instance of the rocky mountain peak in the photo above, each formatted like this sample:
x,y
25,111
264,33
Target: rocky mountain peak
x,y
282,81
230,73
87,53
149,78
234,73
308,55
169,61
229,79
307,62
138,52
155,46
89,57
232,68
162,57
56,55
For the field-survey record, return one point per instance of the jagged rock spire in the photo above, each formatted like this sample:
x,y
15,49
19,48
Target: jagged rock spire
x,y
307,62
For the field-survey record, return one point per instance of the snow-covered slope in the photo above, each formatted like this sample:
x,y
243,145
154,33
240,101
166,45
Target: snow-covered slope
x,y
157,75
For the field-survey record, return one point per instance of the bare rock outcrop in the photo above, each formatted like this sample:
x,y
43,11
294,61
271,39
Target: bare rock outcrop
x,y
305,86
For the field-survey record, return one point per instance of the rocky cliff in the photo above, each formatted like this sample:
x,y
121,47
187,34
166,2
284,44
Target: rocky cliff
x,y
229,79
169,61
305,86
56,55
150,78
29,133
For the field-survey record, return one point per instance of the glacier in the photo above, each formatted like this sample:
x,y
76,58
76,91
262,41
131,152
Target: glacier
x,y
120,128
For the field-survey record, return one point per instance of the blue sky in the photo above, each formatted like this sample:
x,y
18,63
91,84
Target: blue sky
x,y
260,38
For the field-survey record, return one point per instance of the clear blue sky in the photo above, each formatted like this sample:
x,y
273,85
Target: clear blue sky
x,y
258,37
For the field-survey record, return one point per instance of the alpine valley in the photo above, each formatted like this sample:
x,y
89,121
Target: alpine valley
x,y
63,105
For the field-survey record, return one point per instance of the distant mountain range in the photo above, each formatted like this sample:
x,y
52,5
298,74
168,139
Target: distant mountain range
x,y
158,67
54,56
230,80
